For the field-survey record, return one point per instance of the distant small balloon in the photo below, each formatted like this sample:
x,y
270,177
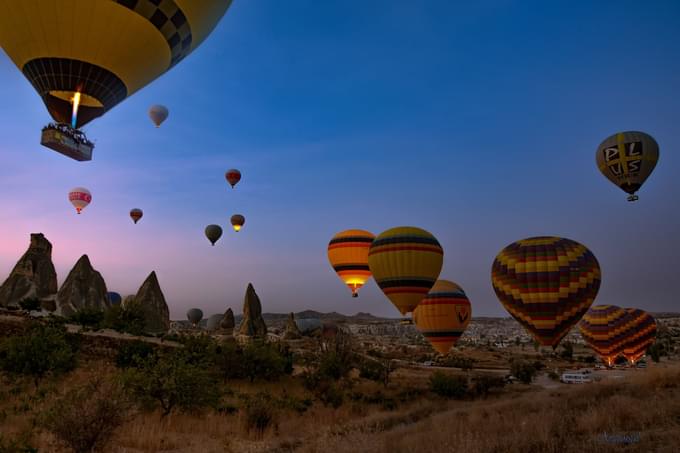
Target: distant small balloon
x,y
233,176
213,233
136,214
195,315
80,197
237,221
158,114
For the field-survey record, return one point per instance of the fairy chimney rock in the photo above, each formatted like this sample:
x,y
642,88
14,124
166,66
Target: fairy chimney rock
x,y
33,276
83,288
152,304
252,324
292,332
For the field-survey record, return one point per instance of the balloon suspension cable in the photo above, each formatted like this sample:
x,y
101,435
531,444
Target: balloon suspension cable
x,y
633,198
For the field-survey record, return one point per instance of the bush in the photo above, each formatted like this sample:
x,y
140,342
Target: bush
x,y
30,304
171,382
88,317
376,370
567,350
19,445
259,413
330,394
86,417
45,348
483,384
134,354
457,361
126,320
229,360
199,350
447,385
523,371
263,360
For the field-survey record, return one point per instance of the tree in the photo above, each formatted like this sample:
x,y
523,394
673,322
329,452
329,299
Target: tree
x,y
129,319
567,351
172,382
524,371
43,349
447,385
30,304
263,360
378,369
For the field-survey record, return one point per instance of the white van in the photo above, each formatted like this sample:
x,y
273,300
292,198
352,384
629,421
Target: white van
x,y
577,377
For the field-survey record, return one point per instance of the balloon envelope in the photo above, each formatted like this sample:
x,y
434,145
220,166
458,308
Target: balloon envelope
x,y
627,159
213,233
114,298
443,315
136,214
158,114
348,254
641,335
233,176
237,221
195,315
405,263
80,197
605,328
104,50
546,284
214,322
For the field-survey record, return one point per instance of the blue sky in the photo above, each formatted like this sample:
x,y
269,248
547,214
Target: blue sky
x,y
477,122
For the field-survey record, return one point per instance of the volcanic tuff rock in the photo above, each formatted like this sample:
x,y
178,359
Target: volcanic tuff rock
x,y
152,302
253,324
83,288
32,276
292,331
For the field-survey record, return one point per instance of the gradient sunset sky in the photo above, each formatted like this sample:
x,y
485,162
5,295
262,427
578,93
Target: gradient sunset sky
x,y
477,122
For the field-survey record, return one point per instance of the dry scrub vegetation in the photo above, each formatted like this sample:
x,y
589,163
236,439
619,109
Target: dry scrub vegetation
x,y
106,404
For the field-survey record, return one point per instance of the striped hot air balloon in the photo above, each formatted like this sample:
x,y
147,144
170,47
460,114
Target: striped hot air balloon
x,y
641,336
348,254
405,263
79,197
443,315
546,284
606,328
136,214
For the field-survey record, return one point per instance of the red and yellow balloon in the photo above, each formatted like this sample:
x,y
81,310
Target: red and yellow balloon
x,y
348,254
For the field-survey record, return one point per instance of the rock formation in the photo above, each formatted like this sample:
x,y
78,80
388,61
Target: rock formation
x,y
33,276
228,320
291,332
152,303
83,288
252,324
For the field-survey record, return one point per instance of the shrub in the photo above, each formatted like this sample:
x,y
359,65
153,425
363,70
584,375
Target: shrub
x,y
30,304
128,319
259,413
567,350
43,349
134,354
199,350
229,360
447,385
483,384
376,370
552,374
88,317
19,445
330,394
264,361
86,417
523,371
170,382
457,361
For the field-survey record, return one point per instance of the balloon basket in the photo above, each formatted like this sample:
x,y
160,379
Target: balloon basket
x,y
68,141
633,198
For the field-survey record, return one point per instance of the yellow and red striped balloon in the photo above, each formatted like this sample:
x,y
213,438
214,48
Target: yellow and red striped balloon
x,y
606,329
546,284
348,254
443,315
405,263
641,336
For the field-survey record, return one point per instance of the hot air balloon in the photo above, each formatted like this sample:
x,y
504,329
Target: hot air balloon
x,y
237,221
194,316
546,284
213,233
79,197
233,176
641,336
443,315
61,66
114,298
214,322
627,159
348,254
136,214
605,328
83,58
158,114
405,263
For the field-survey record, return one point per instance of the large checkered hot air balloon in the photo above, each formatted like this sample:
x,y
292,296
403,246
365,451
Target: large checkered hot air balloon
x,y
443,315
641,335
546,284
348,254
627,159
405,263
606,329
